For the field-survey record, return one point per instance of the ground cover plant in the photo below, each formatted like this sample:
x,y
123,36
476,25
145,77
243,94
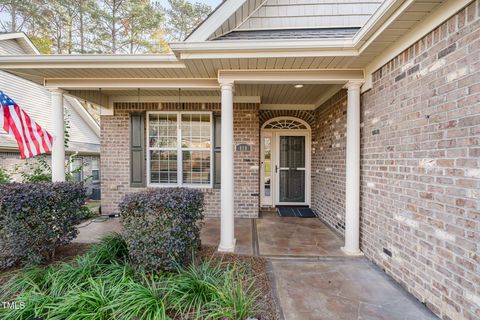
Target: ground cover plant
x,y
102,284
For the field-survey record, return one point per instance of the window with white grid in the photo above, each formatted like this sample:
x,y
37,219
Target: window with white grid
x,y
179,148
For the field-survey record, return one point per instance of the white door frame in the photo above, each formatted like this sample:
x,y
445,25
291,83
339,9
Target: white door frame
x,y
274,134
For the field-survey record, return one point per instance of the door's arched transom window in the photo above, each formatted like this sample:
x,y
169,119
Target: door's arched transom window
x,y
287,123
285,162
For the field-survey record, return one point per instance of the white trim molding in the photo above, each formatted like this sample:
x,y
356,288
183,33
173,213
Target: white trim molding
x,y
90,61
84,114
129,83
310,76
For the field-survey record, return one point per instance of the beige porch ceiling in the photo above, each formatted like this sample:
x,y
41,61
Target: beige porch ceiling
x,y
268,94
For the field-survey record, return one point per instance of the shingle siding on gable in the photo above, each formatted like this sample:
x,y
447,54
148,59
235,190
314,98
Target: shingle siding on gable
x,y
311,14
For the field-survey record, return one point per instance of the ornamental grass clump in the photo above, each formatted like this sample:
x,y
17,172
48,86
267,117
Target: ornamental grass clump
x,y
36,219
162,227
99,286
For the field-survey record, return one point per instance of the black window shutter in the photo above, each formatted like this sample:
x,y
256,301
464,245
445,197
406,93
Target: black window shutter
x,y
137,149
217,142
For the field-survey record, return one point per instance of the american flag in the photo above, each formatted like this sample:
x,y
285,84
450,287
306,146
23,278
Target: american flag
x,y
31,138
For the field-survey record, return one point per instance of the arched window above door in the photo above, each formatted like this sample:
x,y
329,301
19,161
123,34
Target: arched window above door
x,y
288,123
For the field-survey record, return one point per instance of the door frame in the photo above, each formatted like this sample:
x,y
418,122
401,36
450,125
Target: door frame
x,y
274,134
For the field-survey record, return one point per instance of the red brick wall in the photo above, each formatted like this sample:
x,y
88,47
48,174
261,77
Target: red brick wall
x,y
328,161
115,166
420,168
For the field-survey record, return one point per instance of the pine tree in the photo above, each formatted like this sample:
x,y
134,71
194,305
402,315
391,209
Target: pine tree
x,y
183,17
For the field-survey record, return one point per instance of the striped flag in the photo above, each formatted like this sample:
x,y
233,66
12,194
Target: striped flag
x,y
31,138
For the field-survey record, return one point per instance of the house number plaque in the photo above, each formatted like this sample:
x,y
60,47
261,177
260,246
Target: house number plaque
x,y
243,147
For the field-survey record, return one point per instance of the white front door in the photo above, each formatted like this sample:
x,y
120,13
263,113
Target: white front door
x,y
285,168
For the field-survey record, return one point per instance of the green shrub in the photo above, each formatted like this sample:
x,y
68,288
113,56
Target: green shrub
x,y
4,176
37,218
161,227
38,170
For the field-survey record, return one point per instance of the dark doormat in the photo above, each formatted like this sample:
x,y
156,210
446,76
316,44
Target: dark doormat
x,y
301,212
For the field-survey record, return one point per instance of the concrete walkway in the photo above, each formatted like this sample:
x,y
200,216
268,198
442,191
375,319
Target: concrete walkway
x,y
312,278
341,289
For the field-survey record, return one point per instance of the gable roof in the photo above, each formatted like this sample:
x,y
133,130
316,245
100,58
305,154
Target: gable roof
x,y
234,16
23,41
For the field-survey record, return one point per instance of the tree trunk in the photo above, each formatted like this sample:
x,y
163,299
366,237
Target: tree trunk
x,y
114,30
13,26
81,31
70,36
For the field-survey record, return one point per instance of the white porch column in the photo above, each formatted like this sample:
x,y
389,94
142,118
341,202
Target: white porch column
x,y
58,126
352,193
227,238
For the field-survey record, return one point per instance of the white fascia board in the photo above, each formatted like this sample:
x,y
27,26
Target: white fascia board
x,y
265,48
379,17
89,61
215,20
289,106
129,83
435,19
87,117
311,76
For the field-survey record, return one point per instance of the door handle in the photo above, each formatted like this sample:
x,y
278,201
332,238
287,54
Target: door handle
x,y
276,168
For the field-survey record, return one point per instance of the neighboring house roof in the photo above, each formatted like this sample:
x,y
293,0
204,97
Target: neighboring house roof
x,y
283,34
24,45
36,101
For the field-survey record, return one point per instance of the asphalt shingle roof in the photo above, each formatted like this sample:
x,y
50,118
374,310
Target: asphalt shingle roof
x,y
285,34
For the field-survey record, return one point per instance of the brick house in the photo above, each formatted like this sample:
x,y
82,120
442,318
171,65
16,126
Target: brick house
x,y
367,113
83,150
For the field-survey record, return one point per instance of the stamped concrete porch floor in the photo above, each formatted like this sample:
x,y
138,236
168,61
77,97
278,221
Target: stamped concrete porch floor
x,y
312,278
271,235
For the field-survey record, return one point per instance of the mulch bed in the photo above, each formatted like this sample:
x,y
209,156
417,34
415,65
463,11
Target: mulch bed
x,y
64,253
255,267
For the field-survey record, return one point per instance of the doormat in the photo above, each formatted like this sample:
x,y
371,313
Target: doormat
x,y
301,212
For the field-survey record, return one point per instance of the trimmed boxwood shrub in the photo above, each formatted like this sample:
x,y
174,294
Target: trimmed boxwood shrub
x,y
162,227
37,218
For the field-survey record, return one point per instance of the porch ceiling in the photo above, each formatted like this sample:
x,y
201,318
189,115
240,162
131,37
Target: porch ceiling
x,y
267,94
